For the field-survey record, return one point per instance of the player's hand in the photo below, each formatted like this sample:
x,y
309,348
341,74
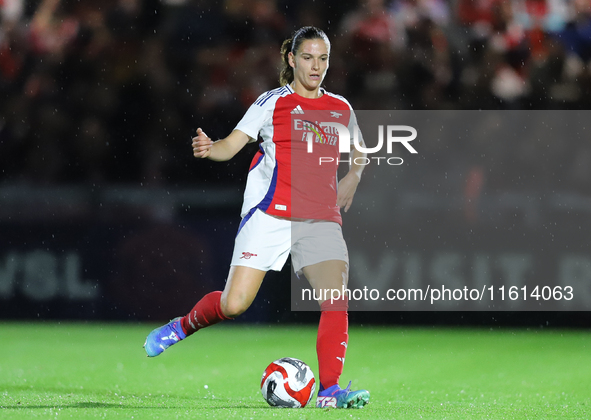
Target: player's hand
x,y
201,145
347,187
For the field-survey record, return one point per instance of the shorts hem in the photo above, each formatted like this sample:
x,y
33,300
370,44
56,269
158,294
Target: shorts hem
x,y
298,270
265,269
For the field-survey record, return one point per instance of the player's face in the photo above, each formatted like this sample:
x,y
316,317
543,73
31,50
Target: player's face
x,y
310,63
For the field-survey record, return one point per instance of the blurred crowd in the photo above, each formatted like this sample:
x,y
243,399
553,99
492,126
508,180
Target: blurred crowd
x,y
111,91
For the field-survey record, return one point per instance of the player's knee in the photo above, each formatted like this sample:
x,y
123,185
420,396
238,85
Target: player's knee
x,y
233,307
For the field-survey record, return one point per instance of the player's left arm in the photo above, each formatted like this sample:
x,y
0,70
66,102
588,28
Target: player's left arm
x,y
348,184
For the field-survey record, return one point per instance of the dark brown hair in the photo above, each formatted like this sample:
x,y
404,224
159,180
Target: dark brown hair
x,y
293,44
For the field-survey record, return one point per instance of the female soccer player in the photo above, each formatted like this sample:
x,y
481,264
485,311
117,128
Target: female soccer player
x,y
275,223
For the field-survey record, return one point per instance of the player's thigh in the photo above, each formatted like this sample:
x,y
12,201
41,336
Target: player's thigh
x,y
326,276
241,288
320,253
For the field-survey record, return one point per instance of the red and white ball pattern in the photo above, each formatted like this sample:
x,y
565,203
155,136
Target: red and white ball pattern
x,y
288,382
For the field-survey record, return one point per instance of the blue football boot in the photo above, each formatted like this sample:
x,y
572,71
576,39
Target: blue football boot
x,y
163,337
336,397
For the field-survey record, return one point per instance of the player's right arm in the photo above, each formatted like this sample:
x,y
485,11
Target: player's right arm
x,y
247,130
221,150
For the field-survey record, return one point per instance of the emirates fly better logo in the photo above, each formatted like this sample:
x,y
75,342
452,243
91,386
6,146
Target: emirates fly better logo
x,y
332,132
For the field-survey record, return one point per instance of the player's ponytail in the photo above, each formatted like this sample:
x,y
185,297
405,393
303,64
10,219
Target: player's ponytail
x,y
293,44
286,75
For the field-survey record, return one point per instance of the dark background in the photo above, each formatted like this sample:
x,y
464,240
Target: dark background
x,y
105,214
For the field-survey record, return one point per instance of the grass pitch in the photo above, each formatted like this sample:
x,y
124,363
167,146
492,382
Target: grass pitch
x,y
51,370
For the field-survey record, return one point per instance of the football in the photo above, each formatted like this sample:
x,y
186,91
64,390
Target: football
x,y
288,382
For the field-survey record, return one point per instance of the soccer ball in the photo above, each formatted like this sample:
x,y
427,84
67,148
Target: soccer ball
x,y
288,382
